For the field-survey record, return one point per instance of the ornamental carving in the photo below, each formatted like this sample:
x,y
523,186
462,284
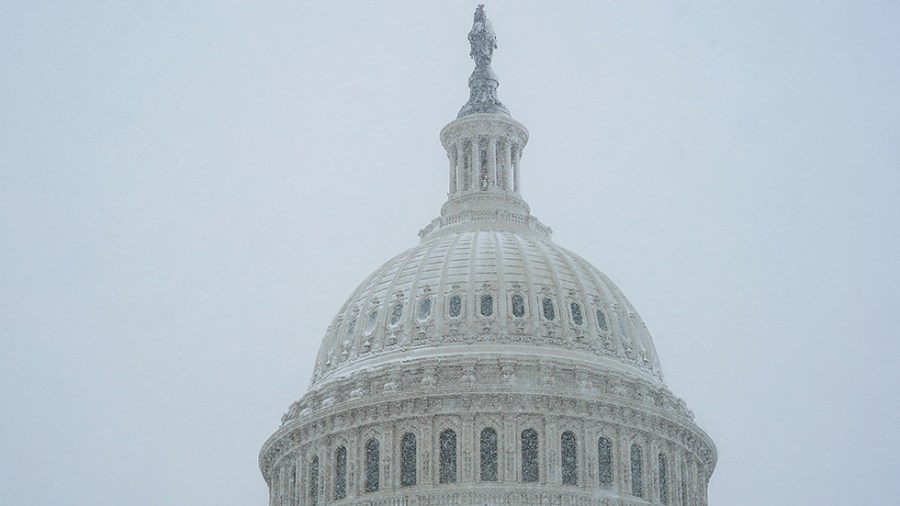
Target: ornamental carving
x,y
486,324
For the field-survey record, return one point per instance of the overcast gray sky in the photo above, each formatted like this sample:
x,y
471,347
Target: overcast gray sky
x,y
190,190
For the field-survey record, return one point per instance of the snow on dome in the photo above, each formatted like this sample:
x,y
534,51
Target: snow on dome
x,y
487,365
486,279
484,291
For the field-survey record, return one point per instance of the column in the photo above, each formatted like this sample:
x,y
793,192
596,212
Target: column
x,y
475,167
492,162
551,455
703,485
587,469
353,464
427,445
507,166
388,456
451,154
469,447
327,493
622,464
516,156
272,489
509,471
460,165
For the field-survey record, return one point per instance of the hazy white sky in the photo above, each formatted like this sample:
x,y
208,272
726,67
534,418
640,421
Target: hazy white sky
x,y
190,190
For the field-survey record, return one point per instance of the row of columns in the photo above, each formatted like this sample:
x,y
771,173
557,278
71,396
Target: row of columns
x,y
484,163
686,485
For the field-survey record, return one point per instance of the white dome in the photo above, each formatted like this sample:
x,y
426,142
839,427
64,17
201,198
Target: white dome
x,y
455,293
487,365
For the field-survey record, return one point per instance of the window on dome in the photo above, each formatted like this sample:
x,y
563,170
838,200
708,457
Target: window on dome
x,y
529,455
455,306
396,313
424,309
637,472
549,312
408,460
487,305
601,320
448,457
370,323
684,487
340,473
314,481
576,313
518,306
663,480
373,455
604,462
568,450
622,329
488,454
350,328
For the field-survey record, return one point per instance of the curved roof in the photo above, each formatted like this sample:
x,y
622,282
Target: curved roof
x,y
486,279
486,291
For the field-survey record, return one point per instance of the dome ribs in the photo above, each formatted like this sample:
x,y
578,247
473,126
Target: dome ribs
x,y
441,295
556,286
581,296
529,282
415,289
499,266
518,337
469,302
500,295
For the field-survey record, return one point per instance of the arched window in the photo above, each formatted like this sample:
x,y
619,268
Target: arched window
x,y
314,481
396,313
408,460
350,328
529,455
340,473
370,323
637,471
373,456
487,305
623,330
455,306
601,320
425,309
448,457
568,450
549,312
663,480
518,306
604,462
488,454
577,317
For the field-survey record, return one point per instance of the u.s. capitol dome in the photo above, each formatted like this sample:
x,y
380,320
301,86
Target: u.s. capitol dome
x,y
487,365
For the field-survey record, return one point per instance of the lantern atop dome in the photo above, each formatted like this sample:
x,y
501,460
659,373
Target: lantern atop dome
x,y
484,146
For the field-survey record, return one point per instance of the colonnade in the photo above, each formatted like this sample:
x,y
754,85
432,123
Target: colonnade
x,y
484,163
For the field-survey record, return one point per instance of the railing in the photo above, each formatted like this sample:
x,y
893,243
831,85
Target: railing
x,y
529,223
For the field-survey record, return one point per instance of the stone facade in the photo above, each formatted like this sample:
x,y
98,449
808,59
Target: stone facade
x,y
487,365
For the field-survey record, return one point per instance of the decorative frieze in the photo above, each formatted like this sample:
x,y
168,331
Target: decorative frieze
x,y
487,339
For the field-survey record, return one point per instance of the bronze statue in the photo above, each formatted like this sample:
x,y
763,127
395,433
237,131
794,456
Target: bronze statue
x,y
482,38
483,82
